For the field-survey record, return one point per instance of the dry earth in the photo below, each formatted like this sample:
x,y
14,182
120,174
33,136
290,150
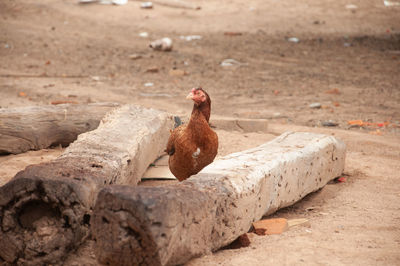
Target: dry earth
x,y
347,59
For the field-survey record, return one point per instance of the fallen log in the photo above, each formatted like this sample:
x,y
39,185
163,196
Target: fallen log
x,y
45,209
39,127
168,225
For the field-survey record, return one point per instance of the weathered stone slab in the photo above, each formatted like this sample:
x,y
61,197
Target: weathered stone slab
x,y
45,209
171,224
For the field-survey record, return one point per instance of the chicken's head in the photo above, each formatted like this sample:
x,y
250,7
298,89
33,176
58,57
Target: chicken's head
x,y
198,95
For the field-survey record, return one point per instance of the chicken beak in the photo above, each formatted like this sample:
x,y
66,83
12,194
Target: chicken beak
x,y
190,96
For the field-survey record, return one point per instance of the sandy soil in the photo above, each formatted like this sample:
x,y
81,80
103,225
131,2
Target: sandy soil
x,y
347,59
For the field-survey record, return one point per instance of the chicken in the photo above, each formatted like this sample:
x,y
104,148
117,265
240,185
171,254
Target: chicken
x,y
194,145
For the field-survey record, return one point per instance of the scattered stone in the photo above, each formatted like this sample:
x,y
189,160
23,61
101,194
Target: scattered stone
x,y
315,105
152,70
231,62
241,242
164,44
351,7
293,39
329,123
191,37
119,2
391,3
134,56
146,5
271,226
144,34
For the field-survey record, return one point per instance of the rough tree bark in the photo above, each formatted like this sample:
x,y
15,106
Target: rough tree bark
x,y
39,127
45,209
171,224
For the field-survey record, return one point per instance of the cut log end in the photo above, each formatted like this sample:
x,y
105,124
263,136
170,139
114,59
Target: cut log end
x,y
135,246
36,227
41,219
131,229
115,224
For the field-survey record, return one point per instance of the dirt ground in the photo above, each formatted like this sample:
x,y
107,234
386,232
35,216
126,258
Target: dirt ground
x,y
347,59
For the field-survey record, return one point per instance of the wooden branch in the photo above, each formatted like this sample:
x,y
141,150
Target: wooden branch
x,y
43,75
45,210
39,127
171,224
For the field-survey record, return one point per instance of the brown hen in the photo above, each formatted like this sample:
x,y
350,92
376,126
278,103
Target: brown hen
x,y
194,145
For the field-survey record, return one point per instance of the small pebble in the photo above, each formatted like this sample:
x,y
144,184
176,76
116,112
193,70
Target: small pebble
x,y
146,5
164,44
351,6
315,105
293,39
329,123
191,37
134,56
